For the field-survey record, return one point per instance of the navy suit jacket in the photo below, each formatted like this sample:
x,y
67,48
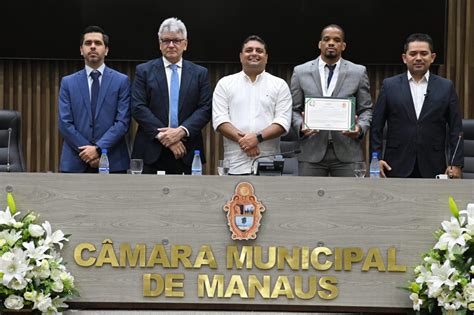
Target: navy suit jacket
x,y
111,121
409,139
150,108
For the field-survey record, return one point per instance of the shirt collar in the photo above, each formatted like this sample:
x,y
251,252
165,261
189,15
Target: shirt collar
x,y
256,79
167,63
322,64
425,78
100,69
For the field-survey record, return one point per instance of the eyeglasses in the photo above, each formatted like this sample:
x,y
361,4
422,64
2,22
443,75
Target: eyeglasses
x,y
175,41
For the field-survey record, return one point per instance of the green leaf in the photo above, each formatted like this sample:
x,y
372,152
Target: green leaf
x,y
453,207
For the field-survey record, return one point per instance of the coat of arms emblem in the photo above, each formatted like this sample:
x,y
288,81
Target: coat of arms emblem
x,y
244,212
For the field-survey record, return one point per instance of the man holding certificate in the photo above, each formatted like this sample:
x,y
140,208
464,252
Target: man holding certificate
x,y
332,109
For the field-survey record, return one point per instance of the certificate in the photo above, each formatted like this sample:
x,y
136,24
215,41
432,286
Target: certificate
x,y
329,113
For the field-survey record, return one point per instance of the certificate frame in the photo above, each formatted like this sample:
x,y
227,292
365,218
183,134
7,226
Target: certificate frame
x,y
329,113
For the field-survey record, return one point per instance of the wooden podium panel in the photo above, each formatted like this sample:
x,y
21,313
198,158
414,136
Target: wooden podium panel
x,y
364,216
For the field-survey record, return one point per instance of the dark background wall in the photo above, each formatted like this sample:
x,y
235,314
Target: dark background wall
x,y
375,29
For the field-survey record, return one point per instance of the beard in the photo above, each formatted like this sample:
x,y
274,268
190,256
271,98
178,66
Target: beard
x,y
331,55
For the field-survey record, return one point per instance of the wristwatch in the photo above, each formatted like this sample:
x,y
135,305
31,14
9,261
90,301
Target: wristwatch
x,y
259,137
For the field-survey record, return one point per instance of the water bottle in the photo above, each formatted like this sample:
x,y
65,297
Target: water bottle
x,y
374,166
196,167
104,163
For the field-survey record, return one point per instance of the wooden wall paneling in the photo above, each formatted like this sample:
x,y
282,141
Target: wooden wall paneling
x,y
469,62
2,84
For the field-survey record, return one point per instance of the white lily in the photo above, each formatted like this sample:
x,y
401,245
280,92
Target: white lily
x,y
36,253
13,265
452,236
42,302
417,302
10,236
6,218
53,238
440,276
423,274
42,270
59,303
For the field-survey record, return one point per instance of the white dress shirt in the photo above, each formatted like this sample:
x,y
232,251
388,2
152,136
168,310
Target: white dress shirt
x,y
89,78
418,91
250,107
168,72
324,72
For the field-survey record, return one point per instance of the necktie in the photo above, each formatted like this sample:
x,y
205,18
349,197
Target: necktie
x,y
174,96
94,92
331,72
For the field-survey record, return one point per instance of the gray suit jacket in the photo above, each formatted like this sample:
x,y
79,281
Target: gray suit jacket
x,y
352,81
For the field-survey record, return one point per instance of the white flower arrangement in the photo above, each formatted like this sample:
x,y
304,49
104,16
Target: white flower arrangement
x,y
32,273
445,280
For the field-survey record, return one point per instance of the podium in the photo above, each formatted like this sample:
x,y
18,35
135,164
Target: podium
x,y
164,242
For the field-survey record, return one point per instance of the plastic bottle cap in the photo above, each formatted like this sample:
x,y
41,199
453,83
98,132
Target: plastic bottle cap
x,y
196,152
104,151
375,154
160,172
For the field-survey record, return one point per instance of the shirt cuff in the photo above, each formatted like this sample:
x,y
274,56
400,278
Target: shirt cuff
x,y
186,130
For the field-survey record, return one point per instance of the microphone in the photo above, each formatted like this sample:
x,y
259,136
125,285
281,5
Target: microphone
x,y
454,154
295,151
8,148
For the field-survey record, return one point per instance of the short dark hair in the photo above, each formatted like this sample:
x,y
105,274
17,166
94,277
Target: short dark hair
x,y
255,38
418,37
95,29
334,26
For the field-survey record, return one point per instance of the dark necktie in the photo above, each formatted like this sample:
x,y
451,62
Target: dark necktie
x,y
94,92
331,72
174,96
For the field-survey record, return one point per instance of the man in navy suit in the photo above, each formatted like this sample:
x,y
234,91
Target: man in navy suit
x,y
420,109
94,110
171,101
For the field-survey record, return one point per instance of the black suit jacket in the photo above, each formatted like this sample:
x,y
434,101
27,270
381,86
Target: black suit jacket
x,y
150,108
409,139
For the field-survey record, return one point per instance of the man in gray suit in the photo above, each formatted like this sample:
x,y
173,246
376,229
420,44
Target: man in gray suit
x,y
330,153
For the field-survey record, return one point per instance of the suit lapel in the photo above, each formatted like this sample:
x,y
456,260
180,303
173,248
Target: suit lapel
x,y
104,86
407,98
84,90
426,103
314,69
186,78
160,78
340,77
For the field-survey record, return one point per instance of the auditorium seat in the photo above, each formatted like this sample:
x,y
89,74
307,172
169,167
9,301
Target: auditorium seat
x,y
11,156
468,129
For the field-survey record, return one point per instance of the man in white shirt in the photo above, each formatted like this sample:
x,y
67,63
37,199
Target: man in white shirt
x,y
417,107
251,109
